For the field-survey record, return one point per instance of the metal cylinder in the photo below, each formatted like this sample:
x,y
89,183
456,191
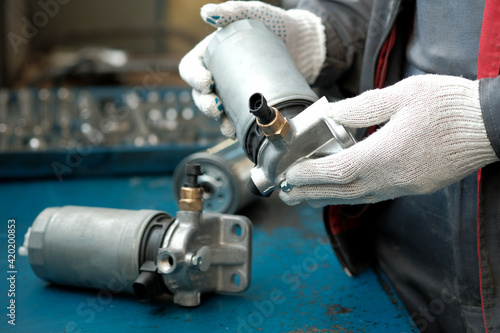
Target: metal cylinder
x,y
225,173
246,57
88,247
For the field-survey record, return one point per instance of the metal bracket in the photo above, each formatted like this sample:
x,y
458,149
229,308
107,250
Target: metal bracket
x,y
309,136
205,252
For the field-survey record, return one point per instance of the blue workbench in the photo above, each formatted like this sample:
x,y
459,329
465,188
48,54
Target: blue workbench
x,y
297,283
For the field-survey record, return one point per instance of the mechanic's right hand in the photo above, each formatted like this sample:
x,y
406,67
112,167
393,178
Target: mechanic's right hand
x,y
302,32
433,135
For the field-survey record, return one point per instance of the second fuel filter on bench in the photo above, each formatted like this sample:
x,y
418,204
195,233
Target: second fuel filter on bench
x,y
226,172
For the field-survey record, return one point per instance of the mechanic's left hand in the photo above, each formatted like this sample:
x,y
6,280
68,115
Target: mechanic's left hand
x,y
434,136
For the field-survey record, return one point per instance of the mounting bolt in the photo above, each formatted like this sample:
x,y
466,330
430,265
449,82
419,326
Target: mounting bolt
x,y
196,261
202,259
285,187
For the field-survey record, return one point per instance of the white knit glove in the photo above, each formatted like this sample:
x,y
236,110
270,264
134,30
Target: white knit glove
x,y
301,31
434,136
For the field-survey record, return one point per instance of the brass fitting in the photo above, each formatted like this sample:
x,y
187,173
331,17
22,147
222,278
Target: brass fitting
x,y
277,128
191,199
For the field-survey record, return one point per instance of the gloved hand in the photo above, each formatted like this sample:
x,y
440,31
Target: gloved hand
x,y
301,31
434,136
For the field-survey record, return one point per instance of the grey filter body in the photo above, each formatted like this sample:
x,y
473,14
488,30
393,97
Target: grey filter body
x,y
225,174
245,58
88,247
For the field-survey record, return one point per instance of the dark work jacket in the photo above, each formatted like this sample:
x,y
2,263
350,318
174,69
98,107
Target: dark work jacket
x,y
441,251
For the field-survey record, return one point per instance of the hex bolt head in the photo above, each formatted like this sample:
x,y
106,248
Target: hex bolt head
x,y
285,187
202,259
196,260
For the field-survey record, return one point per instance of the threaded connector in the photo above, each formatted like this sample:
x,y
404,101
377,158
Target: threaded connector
x,y
270,120
191,196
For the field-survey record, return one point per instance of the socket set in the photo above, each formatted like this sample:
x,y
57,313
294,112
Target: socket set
x,y
99,130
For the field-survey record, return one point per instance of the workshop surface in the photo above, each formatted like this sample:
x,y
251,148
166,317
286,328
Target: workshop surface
x,y
297,284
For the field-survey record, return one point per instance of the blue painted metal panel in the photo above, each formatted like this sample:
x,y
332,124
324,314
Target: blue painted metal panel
x,y
297,283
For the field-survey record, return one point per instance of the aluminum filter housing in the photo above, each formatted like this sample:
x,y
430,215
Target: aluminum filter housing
x,y
246,57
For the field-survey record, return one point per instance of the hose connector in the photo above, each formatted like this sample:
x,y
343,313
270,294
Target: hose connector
x,y
191,196
272,123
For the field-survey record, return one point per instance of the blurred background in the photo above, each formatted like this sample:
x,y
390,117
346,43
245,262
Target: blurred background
x,y
92,87
42,37
45,36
